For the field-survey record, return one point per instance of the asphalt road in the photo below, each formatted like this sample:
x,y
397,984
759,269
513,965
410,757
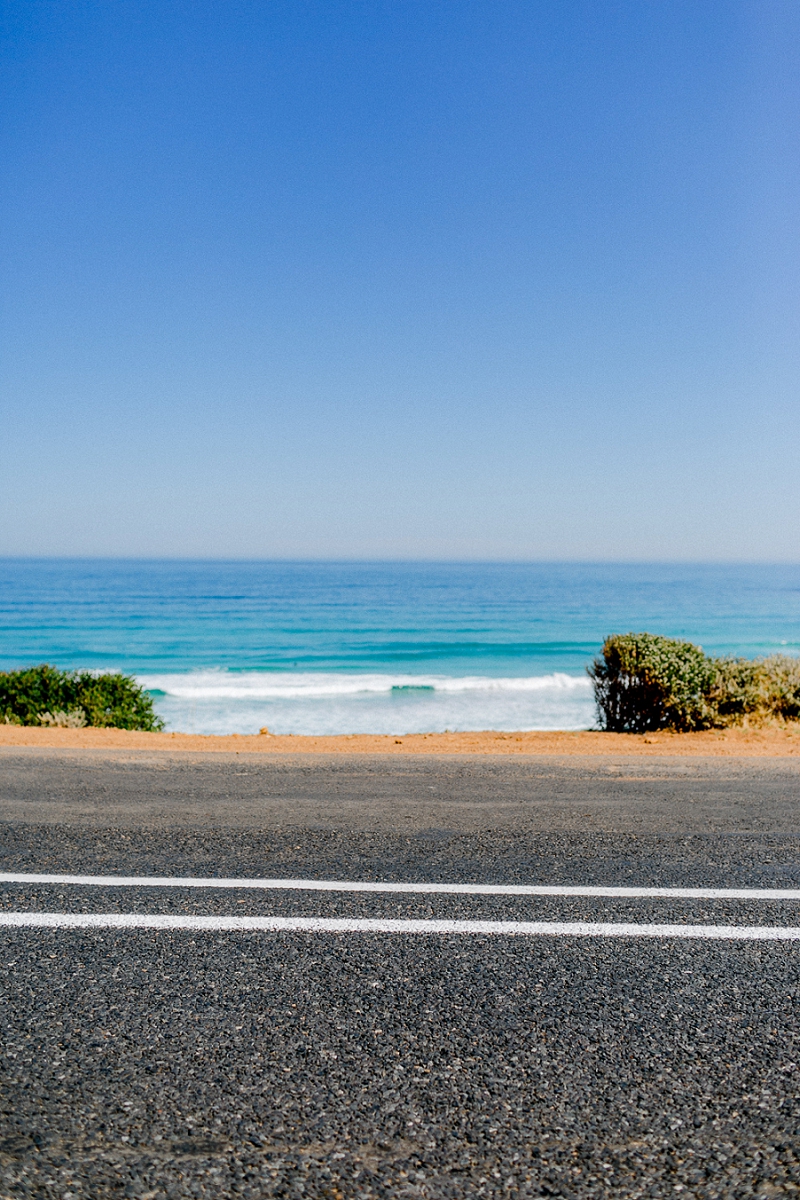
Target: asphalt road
x,y
177,1063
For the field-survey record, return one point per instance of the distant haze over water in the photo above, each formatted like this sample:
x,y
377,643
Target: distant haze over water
x,y
342,647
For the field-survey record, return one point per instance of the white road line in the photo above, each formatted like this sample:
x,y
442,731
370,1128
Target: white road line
x,y
446,889
44,920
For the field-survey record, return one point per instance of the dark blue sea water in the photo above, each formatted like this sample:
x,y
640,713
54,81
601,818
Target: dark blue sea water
x,y
378,647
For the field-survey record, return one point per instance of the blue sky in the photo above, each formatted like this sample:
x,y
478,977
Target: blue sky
x,y
400,279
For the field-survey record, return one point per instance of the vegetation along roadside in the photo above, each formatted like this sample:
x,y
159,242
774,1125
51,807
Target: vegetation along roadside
x,y
644,682
44,695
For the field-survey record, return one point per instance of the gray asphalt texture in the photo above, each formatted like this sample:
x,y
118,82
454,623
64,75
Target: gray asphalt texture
x,y
181,1064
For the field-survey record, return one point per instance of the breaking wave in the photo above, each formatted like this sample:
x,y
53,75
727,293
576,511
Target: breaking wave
x,y
218,701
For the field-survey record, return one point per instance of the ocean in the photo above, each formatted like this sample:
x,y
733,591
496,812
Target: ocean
x,y
344,647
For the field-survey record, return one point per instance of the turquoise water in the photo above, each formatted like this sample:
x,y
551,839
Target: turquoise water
x,y
376,647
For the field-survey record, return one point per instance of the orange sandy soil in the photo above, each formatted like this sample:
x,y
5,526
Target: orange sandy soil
x,y
742,743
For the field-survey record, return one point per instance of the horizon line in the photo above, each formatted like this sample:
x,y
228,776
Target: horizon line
x,y
356,560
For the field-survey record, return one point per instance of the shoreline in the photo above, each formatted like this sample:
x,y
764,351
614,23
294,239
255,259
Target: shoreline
x,y
736,742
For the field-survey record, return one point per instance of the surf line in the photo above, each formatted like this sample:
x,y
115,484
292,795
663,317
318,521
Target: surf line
x,y
222,924
439,889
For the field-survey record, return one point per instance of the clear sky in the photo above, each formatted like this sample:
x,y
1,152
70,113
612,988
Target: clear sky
x,y
400,278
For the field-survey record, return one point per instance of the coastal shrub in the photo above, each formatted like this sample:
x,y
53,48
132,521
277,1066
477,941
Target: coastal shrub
x,y
759,689
46,696
781,686
644,682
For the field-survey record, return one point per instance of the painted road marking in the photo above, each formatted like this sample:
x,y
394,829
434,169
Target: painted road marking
x,y
443,889
747,933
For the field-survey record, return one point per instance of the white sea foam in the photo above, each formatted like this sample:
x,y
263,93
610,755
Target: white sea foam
x,y
264,685
315,702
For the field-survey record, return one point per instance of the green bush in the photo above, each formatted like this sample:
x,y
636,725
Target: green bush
x,y
762,688
46,696
644,682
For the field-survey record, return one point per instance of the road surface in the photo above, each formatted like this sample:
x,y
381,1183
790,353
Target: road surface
x,y
434,1058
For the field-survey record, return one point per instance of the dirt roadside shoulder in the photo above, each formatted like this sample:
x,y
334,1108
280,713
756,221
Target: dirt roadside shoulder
x,y
736,743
